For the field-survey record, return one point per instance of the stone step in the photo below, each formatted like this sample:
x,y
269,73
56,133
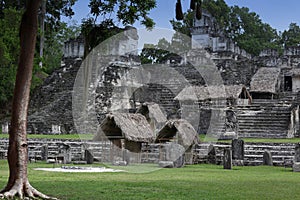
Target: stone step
x,y
253,131
274,157
264,116
273,152
263,125
263,135
269,145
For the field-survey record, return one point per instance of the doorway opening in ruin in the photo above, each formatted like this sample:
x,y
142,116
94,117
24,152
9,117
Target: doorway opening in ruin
x,y
288,83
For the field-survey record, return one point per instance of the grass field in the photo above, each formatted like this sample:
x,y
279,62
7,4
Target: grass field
x,y
190,182
203,138
58,137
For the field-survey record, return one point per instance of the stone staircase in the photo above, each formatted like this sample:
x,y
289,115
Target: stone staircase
x,y
264,119
282,154
217,123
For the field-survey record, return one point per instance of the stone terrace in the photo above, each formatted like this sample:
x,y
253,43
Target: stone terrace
x,y
282,153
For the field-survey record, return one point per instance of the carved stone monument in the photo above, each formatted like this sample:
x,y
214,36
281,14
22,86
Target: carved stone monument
x,y
227,159
267,158
211,157
237,146
88,156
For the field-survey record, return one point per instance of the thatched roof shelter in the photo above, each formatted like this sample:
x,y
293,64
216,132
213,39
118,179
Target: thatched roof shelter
x,y
265,80
132,127
201,93
153,114
180,129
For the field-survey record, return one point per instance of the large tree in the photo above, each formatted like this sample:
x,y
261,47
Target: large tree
x,y
18,184
247,29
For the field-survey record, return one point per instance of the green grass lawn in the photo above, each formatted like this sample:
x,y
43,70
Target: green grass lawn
x,y
203,138
190,182
59,137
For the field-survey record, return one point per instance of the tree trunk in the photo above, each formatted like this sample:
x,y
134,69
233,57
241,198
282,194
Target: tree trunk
x,y
18,184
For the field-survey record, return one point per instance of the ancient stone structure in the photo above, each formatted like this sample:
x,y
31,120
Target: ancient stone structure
x,y
272,109
74,48
283,153
207,34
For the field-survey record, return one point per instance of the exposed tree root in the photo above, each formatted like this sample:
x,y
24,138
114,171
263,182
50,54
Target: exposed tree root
x,y
26,192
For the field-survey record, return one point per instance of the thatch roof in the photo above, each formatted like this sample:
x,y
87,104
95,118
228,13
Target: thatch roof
x,y
265,80
132,127
180,129
152,111
201,93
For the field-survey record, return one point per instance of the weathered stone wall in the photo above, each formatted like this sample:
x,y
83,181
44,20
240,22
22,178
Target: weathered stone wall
x,y
282,153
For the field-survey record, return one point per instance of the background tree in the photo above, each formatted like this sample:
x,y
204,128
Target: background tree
x,y
220,11
9,53
56,32
184,26
245,28
291,37
249,32
124,11
54,45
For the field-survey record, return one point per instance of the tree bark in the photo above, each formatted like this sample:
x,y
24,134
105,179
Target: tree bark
x,y
18,184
